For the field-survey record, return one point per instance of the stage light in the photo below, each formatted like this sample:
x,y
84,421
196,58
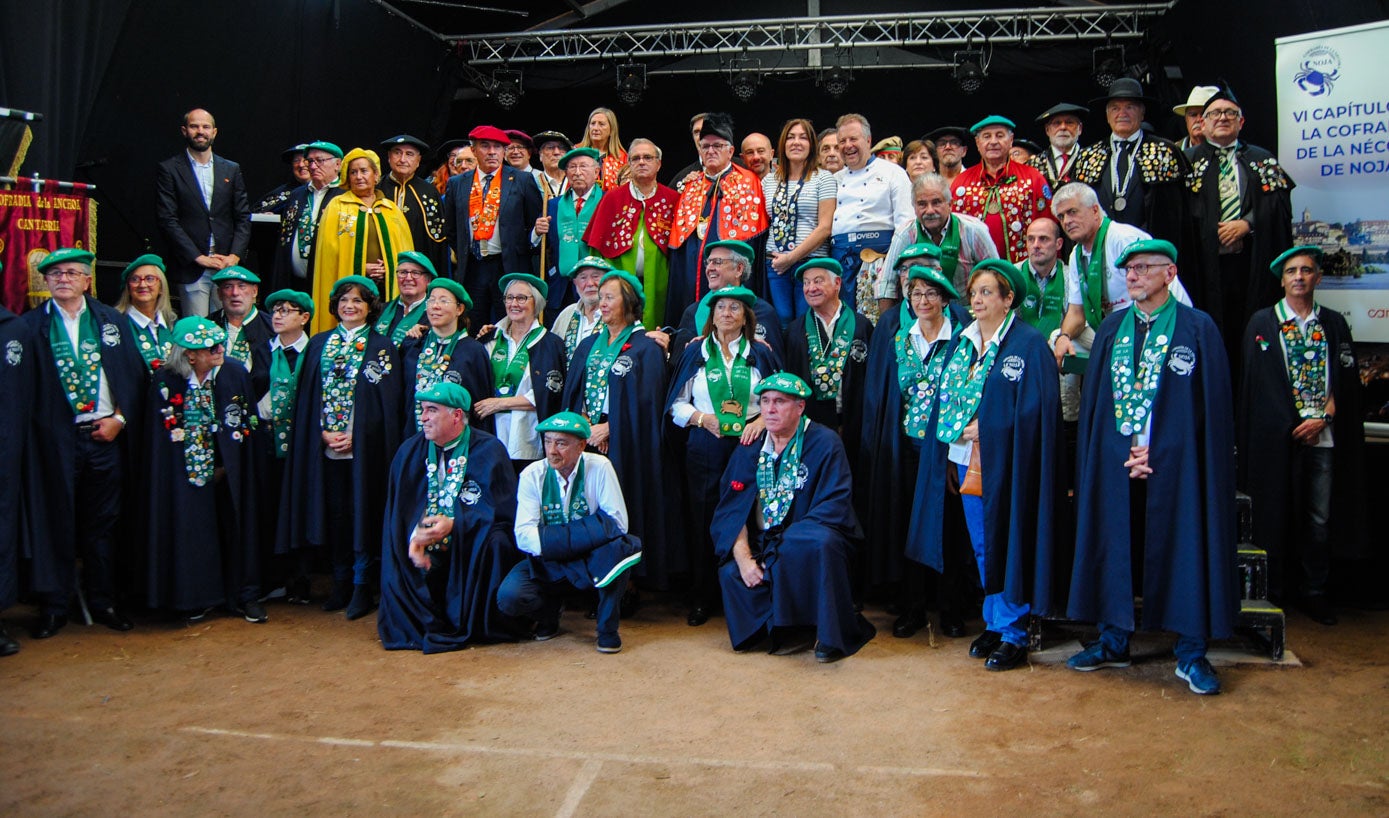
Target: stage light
x,y
631,82
506,88
969,70
1107,64
744,84
836,81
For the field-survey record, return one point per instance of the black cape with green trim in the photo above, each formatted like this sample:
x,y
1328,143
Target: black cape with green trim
x,y
548,364
769,329
454,604
797,360
469,367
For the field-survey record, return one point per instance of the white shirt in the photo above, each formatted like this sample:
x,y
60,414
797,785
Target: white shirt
x,y
143,321
601,490
352,419
918,340
1116,296
975,245
878,196
263,405
105,404
587,323
516,427
1324,440
960,450
205,176
694,395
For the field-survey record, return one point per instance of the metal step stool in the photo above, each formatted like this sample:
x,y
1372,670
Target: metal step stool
x,y
1252,562
1265,622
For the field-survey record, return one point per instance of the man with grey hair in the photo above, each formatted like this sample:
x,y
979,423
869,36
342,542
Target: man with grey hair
x,y
565,221
963,239
631,227
874,201
728,264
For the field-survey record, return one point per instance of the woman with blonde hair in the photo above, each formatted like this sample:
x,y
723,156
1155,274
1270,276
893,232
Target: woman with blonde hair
x,y
602,135
145,300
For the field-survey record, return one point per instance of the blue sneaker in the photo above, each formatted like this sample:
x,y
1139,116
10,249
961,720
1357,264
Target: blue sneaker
x,y
609,643
1096,656
1199,676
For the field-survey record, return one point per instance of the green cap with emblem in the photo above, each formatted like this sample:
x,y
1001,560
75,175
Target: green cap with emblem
x,y
742,248
235,273
596,262
1301,250
453,287
446,393
63,254
591,153
196,332
326,147
922,249
630,279
416,257
785,383
742,294
287,296
534,281
990,121
361,281
821,262
933,276
1009,271
147,260
571,423
1138,248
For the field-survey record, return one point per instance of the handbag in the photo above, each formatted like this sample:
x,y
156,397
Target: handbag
x,y
974,477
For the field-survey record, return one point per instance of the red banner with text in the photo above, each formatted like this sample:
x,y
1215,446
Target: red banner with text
x,y
32,225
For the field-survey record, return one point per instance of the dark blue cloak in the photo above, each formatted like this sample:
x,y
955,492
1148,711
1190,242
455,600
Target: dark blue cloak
x,y
883,493
257,332
797,360
185,562
17,385
378,417
469,367
454,604
548,363
50,511
636,399
806,560
1189,577
686,267
769,329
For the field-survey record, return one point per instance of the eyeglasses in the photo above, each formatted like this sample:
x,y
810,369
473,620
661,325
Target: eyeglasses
x,y
1142,269
402,272
1223,113
516,298
443,301
60,275
718,262
715,148
144,279
925,294
641,157
285,309
324,161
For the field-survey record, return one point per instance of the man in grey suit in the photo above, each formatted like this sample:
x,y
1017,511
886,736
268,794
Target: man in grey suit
x,y
202,212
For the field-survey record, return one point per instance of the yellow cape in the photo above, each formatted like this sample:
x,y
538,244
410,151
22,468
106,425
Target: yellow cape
x,y
343,230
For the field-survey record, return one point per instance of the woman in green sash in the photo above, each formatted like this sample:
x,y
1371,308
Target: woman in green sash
x,y
446,351
710,399
145,299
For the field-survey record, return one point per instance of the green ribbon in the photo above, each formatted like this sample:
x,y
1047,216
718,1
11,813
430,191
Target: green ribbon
x,y
1134,391
777,478
155,344
433,362
962,384
1043,308
600,360
1306,361
917,380
508,375
78,372
1095,275
827,359
730,389
552,506
338,367
445,480
284,386
570,237
408,320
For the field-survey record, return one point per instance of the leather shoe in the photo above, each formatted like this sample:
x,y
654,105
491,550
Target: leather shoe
x,y
698,616
825,655
113,619
908,624
1006,657
49,624
985,644
297,591
952,625
8,646
361,604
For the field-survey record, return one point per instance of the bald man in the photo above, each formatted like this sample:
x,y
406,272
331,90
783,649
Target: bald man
x,y
758,153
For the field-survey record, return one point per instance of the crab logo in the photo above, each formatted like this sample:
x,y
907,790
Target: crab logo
x,y
858,351
622,365
1012,367
1318,72
1182,361
554,381
232,416
373,372
453,376
110,335
470,493
14,353
760,333
802,476
1347,356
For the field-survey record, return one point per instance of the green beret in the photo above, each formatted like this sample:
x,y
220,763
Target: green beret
x,y
1301,250
534,281
298,299
453,287
824,262
361,281
591,153
742,248
923,249
630,279
148,259
596,262
933,276
195,332
1162,248
571,423
421,259
326,147
1009,271
63,254
447,393
992,120
742,294
235,273
785,383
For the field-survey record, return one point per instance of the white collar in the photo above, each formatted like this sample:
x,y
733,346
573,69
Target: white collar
x,y
194,159
353,333
145,322
1135,138
211,376
637,194
945,328
834,319
82,307
973,332
298,345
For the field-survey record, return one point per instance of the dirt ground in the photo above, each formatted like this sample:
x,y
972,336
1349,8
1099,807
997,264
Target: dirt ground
x,y
306,715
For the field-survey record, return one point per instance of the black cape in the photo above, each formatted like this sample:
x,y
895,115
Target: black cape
x,y
1157,197
17,385
282,273
769,329
378,417
1189,577
1266,447
797,362
469,367
454,604
420,203
186,565
257,332
548,365
636,397
806,558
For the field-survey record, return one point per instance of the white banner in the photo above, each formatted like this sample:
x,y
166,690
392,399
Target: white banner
x,y
1333,139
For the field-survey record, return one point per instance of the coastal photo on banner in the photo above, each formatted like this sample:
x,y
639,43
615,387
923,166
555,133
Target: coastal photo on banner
x,y
1333,139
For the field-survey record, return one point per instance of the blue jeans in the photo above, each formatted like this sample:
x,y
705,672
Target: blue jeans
x,y
1116,641
786,294
1001,616
525,592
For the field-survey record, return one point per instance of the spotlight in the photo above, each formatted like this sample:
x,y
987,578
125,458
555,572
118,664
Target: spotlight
x,y
969,70
744,84
631,82
1107,63
836,81
506,88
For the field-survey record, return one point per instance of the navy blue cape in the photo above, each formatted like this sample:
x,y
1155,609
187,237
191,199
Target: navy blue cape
x,y
17,385
469,367
548,363
797,360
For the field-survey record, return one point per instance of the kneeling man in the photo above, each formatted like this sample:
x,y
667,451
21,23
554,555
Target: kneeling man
x,y
784,530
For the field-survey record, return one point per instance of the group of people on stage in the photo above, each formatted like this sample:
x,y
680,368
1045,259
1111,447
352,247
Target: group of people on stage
x,y
783,386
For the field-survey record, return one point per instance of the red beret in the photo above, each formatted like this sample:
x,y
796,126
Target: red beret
x,y
490,132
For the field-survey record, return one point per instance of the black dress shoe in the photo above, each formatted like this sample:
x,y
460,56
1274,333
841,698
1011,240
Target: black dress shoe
x,y
908,624
361,603
113,619
297,591
1318,608
1006,657
985,644
952,625
786,641
338,599
698,616
49,624
825,655
8,647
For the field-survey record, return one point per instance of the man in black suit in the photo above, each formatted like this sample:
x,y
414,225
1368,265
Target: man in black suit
x,y
202,212
490,237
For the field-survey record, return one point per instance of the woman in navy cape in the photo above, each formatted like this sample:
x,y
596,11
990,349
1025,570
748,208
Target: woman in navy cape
x,y
705,455
468,366
635,396
338,504
454,603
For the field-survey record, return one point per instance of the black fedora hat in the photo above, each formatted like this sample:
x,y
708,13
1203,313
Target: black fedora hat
x,y
1124,88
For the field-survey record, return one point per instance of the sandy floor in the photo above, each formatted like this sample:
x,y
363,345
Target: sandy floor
x,y
307,715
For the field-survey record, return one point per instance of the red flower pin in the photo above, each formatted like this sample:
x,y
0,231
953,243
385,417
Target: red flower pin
x,y
737,485
177,399
625,347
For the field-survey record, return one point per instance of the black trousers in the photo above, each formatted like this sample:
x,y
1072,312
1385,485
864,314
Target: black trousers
x,y
480,280
706,457
99,471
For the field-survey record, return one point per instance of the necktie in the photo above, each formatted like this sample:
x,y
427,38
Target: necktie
x,y
578,205
1125,149
1229,185
1065,160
